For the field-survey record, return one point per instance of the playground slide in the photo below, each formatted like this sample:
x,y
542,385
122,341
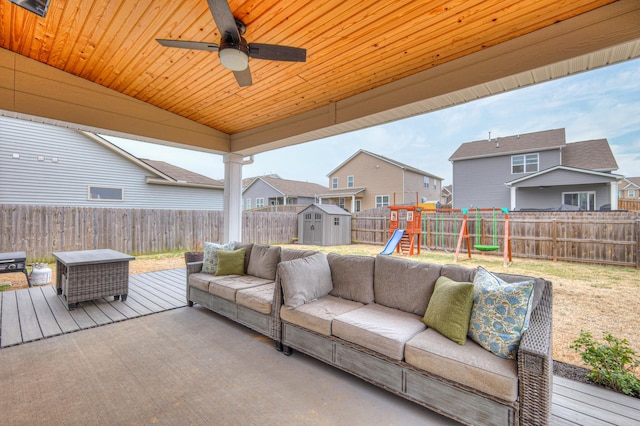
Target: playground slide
x,y
393,242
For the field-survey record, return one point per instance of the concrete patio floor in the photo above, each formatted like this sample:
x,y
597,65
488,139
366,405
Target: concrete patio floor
x,y
191,366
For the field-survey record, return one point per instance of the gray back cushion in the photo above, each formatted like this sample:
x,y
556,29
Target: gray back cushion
x,y
458,273
538,285
247,252
291,254
305,279
352,277
404,284
264,261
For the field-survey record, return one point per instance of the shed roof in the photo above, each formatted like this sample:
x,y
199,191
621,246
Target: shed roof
x,y
328,208
528,142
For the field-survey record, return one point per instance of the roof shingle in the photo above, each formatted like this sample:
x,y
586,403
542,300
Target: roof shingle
x,y
538,141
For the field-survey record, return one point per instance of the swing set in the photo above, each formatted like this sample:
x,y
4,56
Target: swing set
x,y
478,243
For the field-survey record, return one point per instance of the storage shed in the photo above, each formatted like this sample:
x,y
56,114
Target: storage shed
x,y
324,225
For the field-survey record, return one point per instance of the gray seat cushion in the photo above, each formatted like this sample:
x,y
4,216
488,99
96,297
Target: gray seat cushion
x,y
378,328
319,314
259,298
200,280
470,365
226,286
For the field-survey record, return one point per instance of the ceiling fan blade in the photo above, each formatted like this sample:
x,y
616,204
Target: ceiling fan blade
x,y
243,77
277,53
224,19
195,45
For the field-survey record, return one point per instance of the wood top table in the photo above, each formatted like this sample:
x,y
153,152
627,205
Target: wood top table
x,y
91,274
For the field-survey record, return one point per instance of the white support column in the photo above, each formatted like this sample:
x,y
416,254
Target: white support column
x,y
513,198
613,186
233,196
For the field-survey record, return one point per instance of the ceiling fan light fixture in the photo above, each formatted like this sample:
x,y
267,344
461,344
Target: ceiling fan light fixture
x,y
234,56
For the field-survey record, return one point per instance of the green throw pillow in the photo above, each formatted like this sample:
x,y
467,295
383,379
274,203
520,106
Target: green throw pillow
x,y
211,256
449,309
500,313
231,262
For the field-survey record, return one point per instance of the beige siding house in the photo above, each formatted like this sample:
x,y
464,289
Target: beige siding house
x,y
367,180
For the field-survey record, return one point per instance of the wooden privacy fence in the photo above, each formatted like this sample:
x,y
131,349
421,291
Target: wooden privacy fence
x,y
610,238
41,230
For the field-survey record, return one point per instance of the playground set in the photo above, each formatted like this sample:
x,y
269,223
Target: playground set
x,y
408,241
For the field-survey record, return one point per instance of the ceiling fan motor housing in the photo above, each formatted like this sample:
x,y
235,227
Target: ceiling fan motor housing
x,y
234,56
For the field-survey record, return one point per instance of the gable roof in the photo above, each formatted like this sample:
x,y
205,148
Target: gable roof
x,y
606,176
528,142
290,188
385,159
164,173
631,182
180,175
593,155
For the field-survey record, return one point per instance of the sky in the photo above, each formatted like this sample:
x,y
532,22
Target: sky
x,y
603,103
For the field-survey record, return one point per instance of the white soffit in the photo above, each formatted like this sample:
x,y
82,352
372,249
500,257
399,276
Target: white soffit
x,y
594,60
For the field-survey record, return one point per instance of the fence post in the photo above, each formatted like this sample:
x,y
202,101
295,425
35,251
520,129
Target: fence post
x,y
554,241
637,238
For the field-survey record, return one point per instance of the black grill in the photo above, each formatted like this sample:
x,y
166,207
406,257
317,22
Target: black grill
x,y
14,262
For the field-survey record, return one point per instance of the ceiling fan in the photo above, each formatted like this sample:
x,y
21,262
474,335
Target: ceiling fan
x,y
233,50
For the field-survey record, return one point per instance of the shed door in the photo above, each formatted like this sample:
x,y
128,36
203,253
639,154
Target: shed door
x,y
317,229
312,229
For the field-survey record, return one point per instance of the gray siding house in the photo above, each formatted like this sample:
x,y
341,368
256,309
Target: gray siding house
x,y
42,164
535,171
265,191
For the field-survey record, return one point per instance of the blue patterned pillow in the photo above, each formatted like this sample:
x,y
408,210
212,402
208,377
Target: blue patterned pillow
x,y
500,313
210,264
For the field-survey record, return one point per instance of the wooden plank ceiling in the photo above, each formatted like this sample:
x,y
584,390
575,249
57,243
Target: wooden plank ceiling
x,y
352,47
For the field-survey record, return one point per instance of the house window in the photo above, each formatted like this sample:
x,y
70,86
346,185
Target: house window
x,y
632,193
358,205
382,201
341,202
259,203
334,183
435,184
426,181
336,221
350,181
248,203
525,163
104,193
584,200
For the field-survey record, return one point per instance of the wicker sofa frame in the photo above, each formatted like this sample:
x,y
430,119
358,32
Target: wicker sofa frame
x,y
266,324
462,403
452,399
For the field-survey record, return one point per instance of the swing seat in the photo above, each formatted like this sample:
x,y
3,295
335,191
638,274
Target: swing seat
x,y
486,248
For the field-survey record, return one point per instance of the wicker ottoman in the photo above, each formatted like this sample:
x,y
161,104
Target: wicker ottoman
x,y
91,274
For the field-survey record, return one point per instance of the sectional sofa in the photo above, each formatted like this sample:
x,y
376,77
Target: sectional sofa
x,y
368,316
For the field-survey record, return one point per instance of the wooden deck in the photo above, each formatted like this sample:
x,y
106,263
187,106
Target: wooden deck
x,y
37,313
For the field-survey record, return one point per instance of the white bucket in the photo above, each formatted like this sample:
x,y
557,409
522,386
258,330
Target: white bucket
x,y
41,274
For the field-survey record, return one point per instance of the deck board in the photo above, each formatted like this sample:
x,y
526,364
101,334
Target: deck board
x,y
35,313
573,403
